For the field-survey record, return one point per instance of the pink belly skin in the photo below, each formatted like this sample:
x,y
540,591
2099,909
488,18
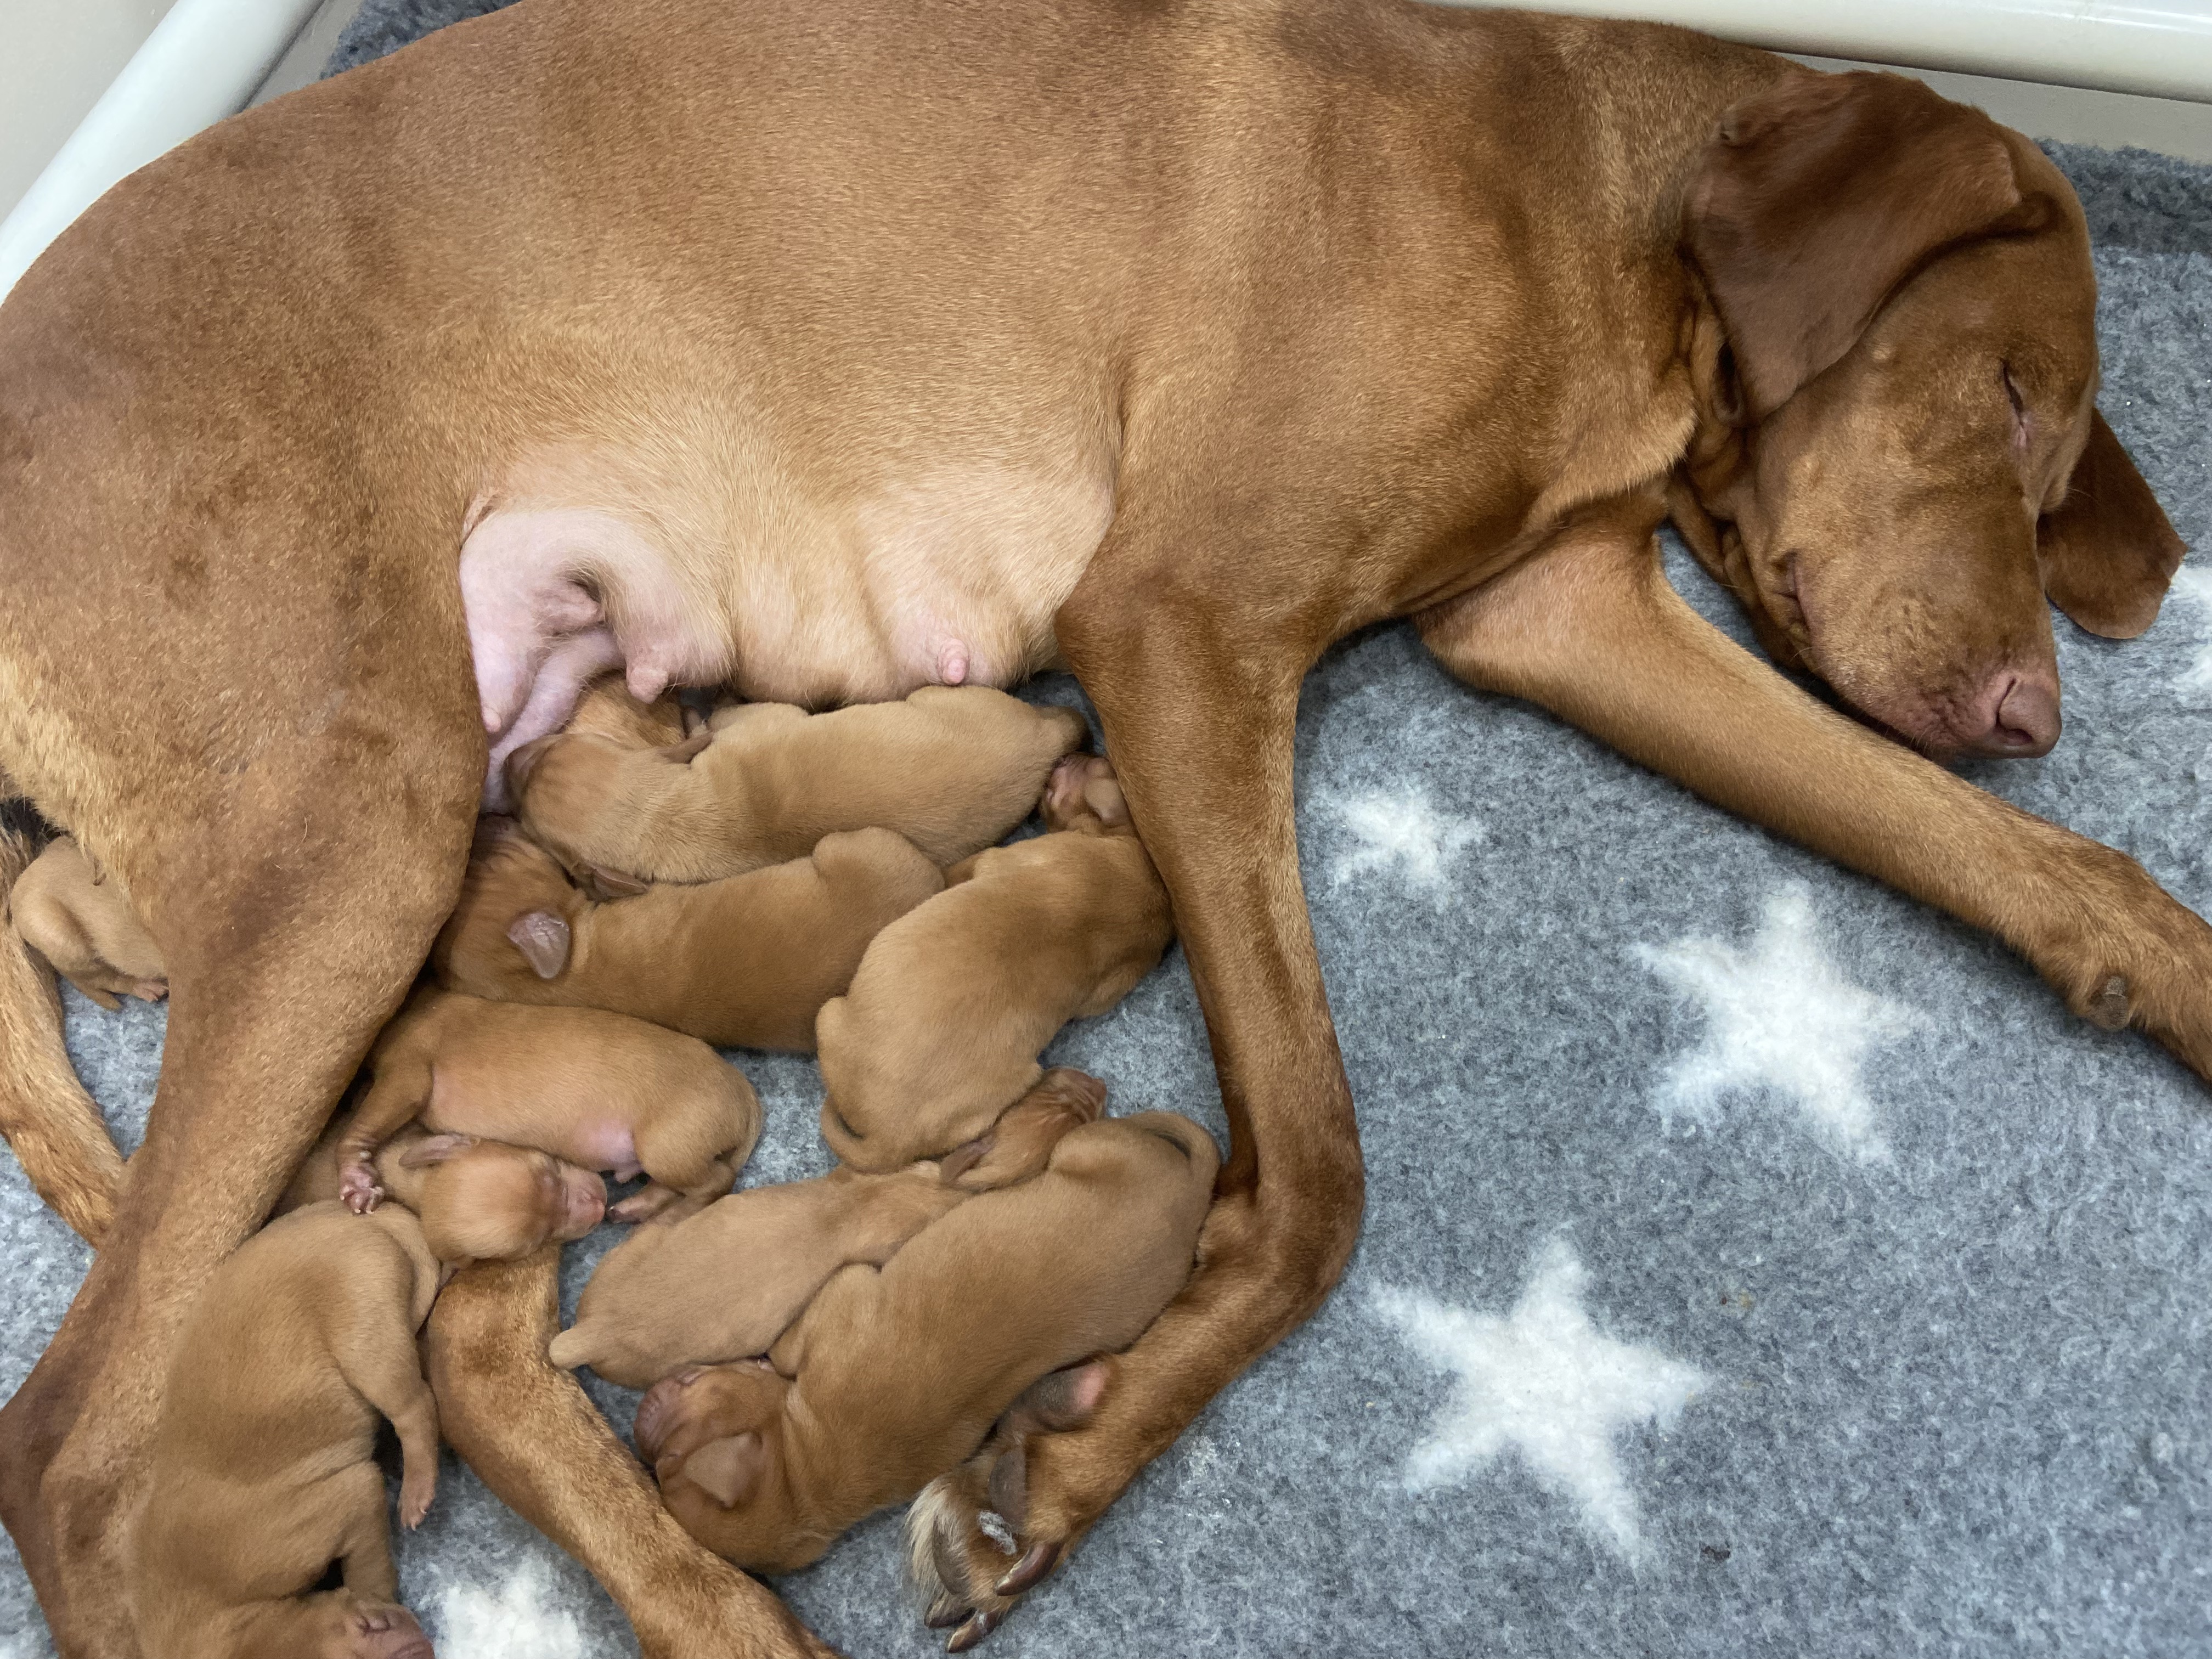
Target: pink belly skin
x,y
604,1146
554,597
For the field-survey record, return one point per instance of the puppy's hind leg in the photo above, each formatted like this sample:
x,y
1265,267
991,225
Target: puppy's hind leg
x,y
378,1359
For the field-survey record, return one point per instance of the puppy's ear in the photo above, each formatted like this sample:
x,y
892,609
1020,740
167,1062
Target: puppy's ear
x,y
605,886
2107,550
728,1469
434,1149
542,939
1818,196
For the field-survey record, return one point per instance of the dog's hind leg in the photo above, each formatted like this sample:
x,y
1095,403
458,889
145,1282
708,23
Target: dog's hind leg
x,y
1588,628
51,1122
294,897
528,1430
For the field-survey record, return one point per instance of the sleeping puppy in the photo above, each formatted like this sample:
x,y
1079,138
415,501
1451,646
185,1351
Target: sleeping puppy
x,y
84,926
953,1002
606,710
892,1376
724,1284
744,962
262,1473
952,768
478,1200
599,1090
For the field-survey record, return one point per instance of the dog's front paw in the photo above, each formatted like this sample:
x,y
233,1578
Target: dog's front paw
x,y
976,1542
357,1187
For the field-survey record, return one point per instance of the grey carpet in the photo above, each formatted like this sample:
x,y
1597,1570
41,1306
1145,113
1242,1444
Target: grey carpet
x,y
1822,1287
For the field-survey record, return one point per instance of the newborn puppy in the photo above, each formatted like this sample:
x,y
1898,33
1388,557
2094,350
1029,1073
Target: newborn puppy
x,y
478,1200
891,1377
724,1284
605,709
953,1002
86,927
600,1090
952,768
744,963
262,1473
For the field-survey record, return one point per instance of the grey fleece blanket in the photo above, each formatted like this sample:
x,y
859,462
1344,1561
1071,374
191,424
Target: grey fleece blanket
x,y
1755,1261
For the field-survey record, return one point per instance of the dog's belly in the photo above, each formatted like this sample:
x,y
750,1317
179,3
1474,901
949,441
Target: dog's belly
x,y
948,577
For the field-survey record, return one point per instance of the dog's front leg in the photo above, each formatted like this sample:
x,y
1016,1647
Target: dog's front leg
x,y
1195,674
1589,628
533,1437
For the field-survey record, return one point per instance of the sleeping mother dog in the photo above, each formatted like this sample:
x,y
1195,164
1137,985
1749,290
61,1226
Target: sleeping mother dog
x,y
830,348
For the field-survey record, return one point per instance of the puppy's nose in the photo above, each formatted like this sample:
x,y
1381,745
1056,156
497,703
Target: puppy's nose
x,y
2020,714
523,762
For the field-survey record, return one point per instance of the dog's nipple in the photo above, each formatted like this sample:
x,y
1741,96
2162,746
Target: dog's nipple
x,y
952,663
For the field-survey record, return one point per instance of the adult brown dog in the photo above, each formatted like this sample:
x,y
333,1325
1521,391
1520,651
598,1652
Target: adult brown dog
x,y
804,341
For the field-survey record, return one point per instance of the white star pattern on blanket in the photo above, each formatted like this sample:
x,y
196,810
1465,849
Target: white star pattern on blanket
x,y
1402,829
2194,584
521,1621
1780,1017
1547,1382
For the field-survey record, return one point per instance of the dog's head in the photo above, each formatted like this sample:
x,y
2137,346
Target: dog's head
x,y
714,1435
573,790
513,923
1900,455
484,1200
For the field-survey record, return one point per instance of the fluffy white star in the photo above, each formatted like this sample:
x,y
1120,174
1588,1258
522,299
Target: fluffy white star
x,y
1547,1382
1778,1019
1400,828
518,1621
2194,583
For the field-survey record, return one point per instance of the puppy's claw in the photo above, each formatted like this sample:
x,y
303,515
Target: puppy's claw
x,y
946,1611
978,1625
1035,1565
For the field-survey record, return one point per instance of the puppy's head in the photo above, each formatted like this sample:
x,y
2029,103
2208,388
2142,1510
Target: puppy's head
x,y
573,790
606,709
513,923
484,1200
1082,792
1900,455
714,1435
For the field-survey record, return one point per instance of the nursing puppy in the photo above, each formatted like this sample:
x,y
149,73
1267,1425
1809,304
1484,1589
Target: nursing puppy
x,y
952,768
891,1377
953,1002
263,1461
606,711
85,926
478,1200
727,1282
600,1090
744,962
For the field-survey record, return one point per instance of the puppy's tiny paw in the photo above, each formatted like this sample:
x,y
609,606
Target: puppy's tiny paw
x,y
357,1188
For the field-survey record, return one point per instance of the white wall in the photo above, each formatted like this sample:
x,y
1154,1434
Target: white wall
x,y
60,56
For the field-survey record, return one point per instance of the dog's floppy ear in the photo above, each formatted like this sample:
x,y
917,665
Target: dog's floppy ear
x,y
2107,550
434,1149
542,939
728,1469
1818,196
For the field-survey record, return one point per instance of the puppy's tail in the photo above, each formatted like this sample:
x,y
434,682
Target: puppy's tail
x,y
45,1114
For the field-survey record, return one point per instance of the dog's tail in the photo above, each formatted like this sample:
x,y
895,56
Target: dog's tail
x,y
53,1125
